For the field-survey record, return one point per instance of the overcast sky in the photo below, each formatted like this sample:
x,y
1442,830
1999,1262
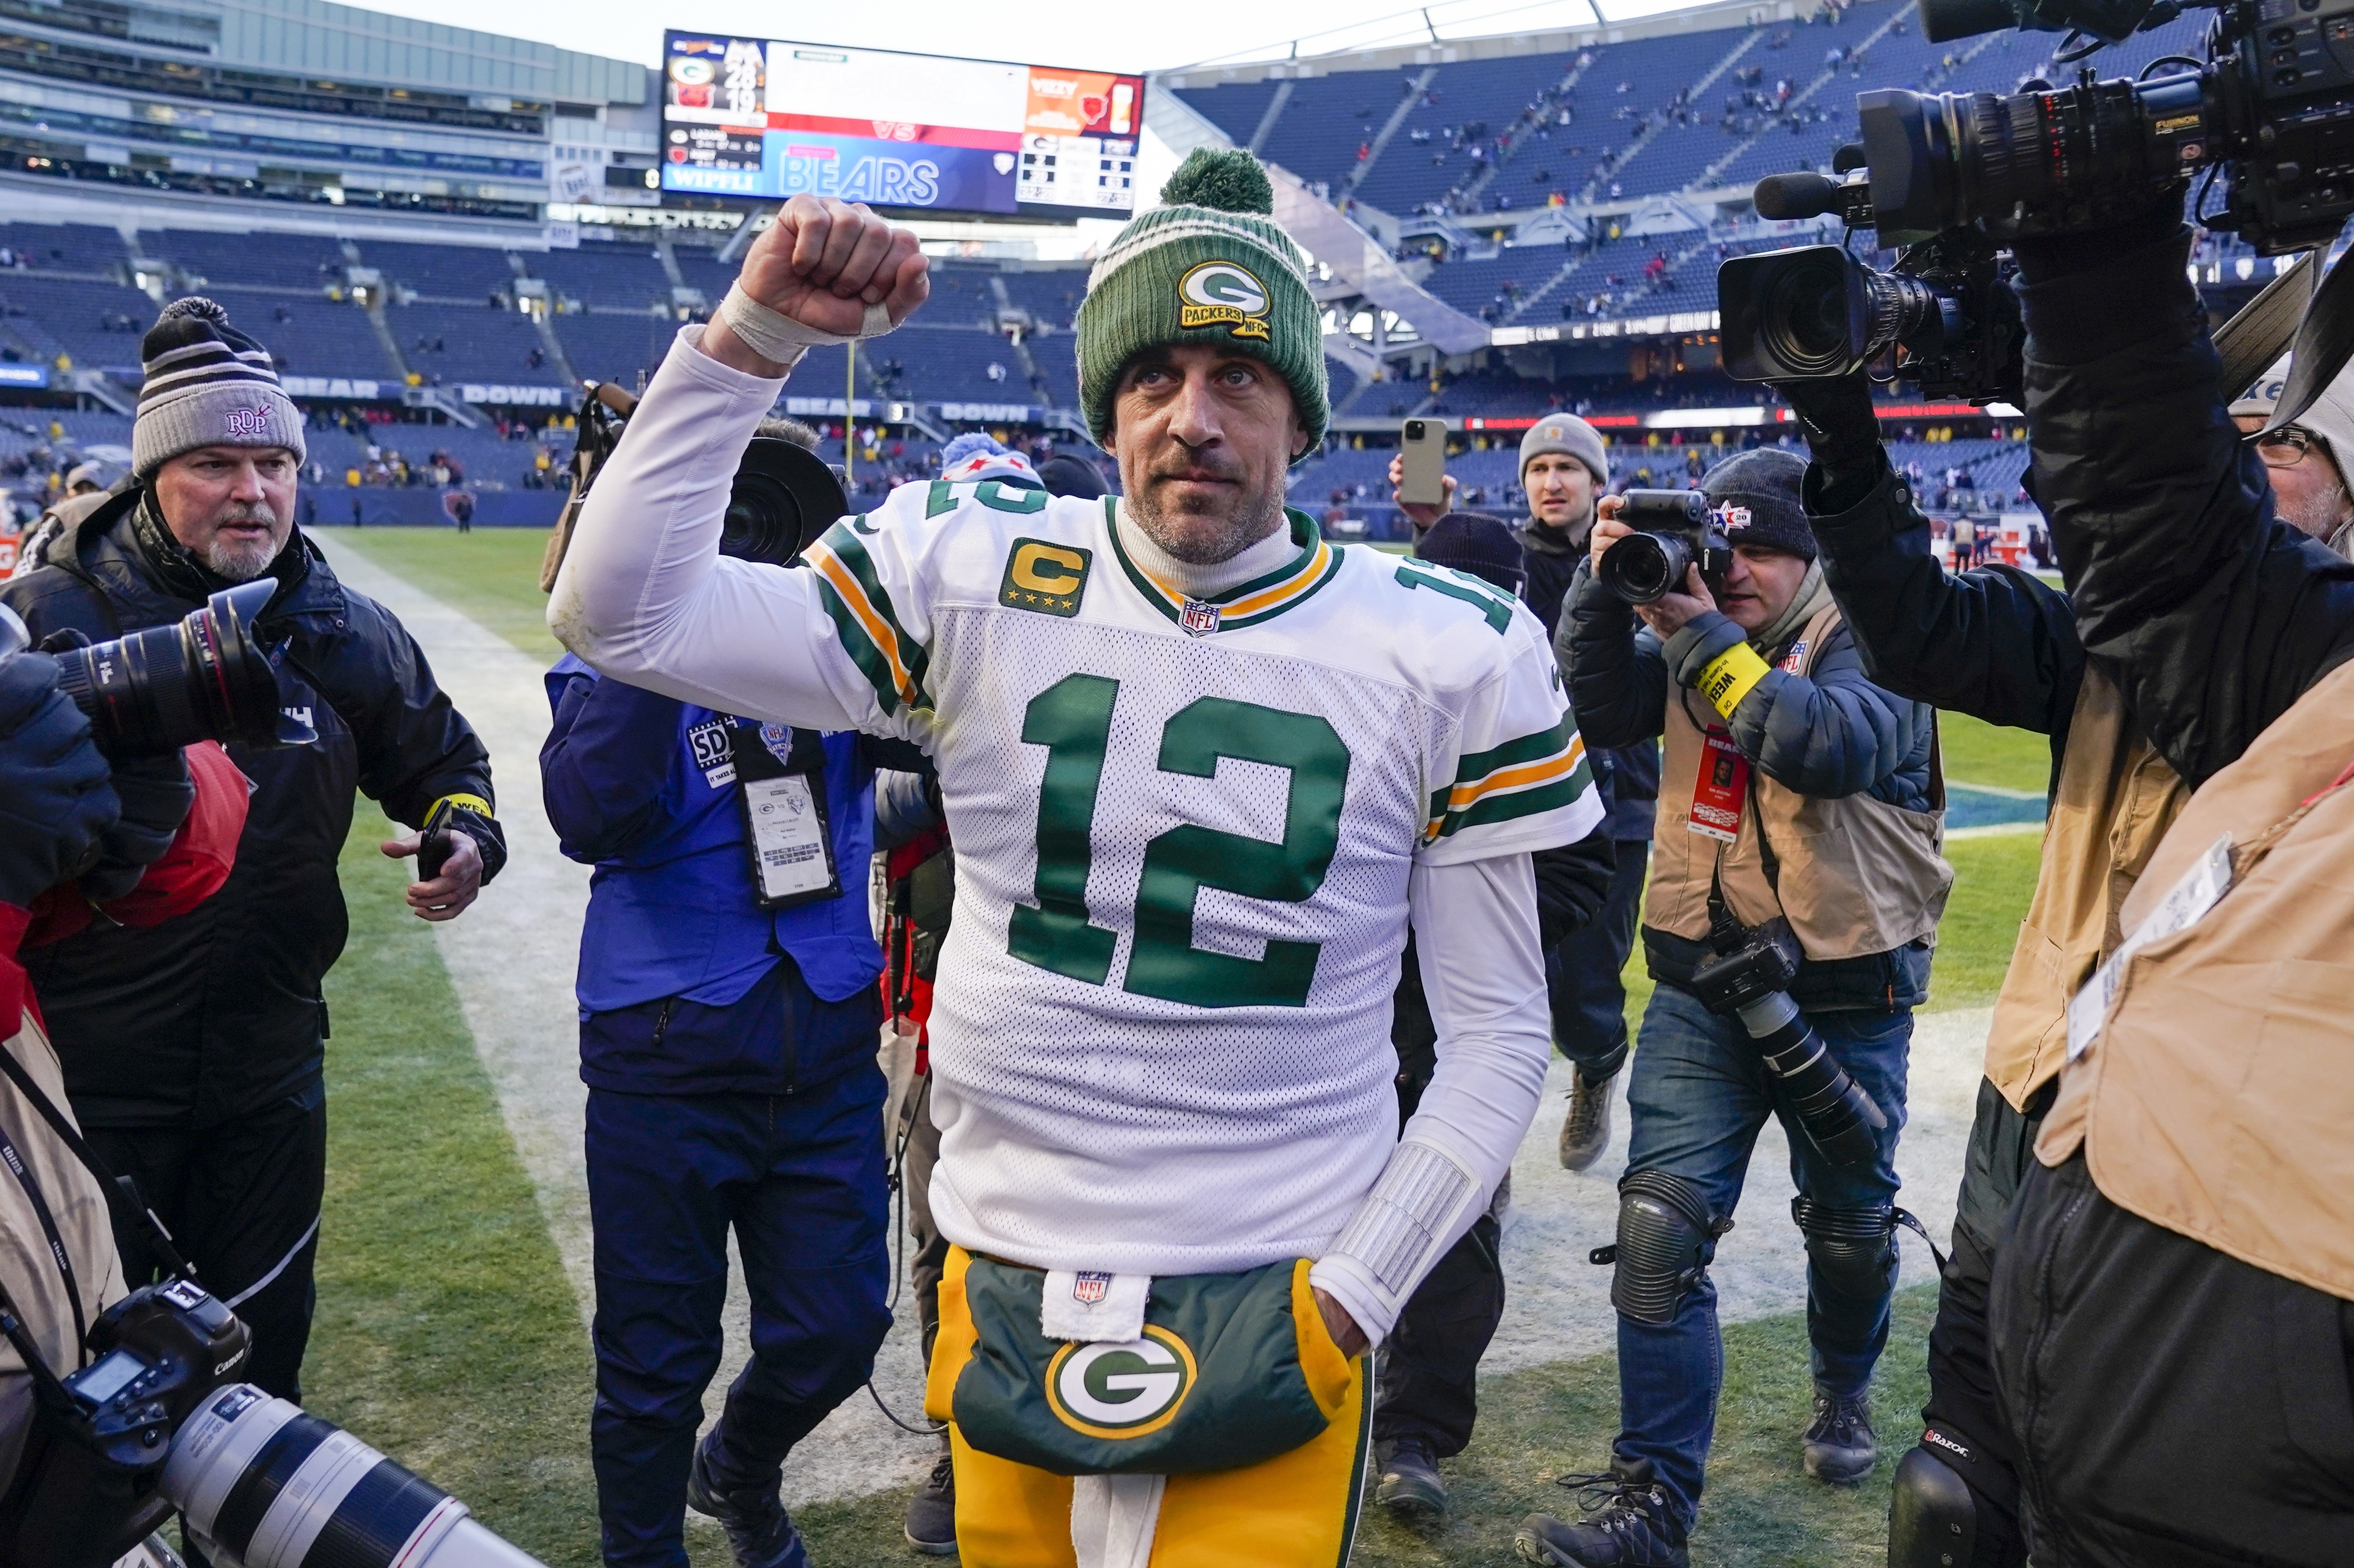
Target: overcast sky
x,y
1080,33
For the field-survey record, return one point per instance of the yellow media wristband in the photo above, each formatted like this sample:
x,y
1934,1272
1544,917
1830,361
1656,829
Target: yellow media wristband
x,y
1727,678
473,803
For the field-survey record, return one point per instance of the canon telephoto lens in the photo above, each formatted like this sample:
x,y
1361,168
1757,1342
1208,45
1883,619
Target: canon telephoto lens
x,y
260,1484
202,678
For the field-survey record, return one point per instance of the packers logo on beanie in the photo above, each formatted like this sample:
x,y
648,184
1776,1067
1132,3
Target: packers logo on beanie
x,y
1210,264
205,384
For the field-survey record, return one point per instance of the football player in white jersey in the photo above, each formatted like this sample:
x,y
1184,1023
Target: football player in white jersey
x,y
1201,768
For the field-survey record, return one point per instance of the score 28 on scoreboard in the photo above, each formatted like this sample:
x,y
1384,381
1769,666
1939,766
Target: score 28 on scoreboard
x,y
767,119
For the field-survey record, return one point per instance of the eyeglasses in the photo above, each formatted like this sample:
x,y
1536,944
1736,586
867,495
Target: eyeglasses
x,y
2283,447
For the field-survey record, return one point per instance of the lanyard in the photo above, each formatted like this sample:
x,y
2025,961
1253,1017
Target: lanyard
x,y
780,791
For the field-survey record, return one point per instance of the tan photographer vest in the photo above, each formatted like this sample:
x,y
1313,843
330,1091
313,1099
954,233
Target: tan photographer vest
x,y
2114,801
1857,875
2218,1100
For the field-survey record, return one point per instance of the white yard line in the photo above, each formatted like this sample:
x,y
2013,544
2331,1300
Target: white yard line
x,y
512,958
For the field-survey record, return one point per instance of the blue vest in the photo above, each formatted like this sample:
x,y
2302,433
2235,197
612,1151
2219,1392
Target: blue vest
x,y
677,917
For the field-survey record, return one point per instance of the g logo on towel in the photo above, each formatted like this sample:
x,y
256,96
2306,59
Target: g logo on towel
x,y
1120,1389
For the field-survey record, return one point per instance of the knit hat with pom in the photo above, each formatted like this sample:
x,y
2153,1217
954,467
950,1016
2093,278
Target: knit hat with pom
x,y
1210,264
206,384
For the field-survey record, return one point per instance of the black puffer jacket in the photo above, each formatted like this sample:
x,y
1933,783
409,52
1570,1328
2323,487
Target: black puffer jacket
x,y
1552,558
1832,733
218,1012
2212,617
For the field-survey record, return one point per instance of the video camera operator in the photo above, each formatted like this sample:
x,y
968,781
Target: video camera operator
x,y
1801,812
2195,619
194,1048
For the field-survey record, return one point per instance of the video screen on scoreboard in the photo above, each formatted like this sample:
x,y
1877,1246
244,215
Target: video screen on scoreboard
x,y
767,119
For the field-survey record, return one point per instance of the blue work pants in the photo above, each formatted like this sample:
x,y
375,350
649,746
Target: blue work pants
x,y
1699,1092
1583,983
800,1178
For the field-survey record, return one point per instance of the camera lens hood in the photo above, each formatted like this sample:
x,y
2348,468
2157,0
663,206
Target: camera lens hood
x,y
784,496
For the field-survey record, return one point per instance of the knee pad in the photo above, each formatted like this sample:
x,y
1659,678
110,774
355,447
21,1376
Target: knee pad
x,y
1666,1237
1932,1517
1853,1247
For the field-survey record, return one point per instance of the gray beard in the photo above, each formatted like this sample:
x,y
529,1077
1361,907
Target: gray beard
x,y
1235,534
238,563
2319,517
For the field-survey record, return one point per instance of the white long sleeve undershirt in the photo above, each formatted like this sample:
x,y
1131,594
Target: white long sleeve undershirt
x,y
644,596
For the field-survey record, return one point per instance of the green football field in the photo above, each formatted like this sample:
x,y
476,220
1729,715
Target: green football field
x,y
448,1336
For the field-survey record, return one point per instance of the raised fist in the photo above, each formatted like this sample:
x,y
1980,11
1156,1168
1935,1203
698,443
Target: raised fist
x,y
821,263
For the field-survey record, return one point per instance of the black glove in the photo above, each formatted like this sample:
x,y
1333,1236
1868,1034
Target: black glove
x,y
55,801
1836,417
156,793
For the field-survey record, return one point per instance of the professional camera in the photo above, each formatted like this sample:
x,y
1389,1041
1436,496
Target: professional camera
x,y
784,497
86,1488
154,692
1672,531
2272,107
1749,975
1948,308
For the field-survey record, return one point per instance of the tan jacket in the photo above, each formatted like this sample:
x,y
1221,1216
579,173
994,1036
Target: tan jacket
x,y
2218,1100
2115,800
1857,875
26,1268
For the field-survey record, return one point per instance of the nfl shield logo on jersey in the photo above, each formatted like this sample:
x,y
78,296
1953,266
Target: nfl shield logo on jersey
x,y
1198,618
1090,1288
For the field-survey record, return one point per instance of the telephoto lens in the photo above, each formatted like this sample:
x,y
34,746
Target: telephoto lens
x,y
1840,1118
204,678
783,498
260,1484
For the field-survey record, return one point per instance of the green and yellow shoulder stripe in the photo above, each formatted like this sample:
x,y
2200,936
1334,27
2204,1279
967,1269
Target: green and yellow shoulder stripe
x,y
1523,777
872,633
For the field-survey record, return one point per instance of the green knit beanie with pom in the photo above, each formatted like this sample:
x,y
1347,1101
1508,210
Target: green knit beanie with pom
x,y
1210,264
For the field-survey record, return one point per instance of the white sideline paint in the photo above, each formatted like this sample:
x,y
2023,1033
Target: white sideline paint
x,y
511,959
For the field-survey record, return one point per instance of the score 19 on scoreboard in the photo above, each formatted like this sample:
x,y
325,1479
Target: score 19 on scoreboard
x,y
769,120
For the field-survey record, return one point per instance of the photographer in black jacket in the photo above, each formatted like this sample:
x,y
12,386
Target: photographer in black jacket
x,y
193,1049
2196,619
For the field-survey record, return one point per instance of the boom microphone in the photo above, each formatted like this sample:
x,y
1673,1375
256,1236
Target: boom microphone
x,y
1785,196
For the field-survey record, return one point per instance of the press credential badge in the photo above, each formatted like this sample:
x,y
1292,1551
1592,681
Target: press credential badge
x,y
781,775
2185,904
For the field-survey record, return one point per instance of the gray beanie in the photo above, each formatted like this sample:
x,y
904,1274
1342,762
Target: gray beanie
x,y
206,384
1568,434
2330,417
1754,496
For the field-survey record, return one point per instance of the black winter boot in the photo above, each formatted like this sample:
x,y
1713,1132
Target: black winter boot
x,y
1626,1523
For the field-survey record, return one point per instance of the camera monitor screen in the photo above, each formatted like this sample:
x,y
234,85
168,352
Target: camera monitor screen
x,y
767,119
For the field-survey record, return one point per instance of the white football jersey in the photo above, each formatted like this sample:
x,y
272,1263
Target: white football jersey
x,y
1183,832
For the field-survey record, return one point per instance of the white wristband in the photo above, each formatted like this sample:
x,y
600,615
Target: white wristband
x,y
774,335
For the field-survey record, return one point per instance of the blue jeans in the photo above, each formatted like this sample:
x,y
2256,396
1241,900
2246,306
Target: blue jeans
x,y
1699,1092
799,1179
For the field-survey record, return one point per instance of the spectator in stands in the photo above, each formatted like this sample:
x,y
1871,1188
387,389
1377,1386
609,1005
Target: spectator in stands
x,y
193,1050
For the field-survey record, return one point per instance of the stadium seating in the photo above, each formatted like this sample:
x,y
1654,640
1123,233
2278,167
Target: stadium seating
x,y
616,276
615,346
471,342
302,262
452,272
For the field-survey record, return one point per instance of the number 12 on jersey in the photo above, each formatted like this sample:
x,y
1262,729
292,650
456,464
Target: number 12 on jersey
x,y
1072,719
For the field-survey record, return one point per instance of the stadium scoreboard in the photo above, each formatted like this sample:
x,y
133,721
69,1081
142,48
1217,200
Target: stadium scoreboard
x,y
767,119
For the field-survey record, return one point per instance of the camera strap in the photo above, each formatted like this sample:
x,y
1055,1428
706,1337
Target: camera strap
x,y
121,1192
34,1195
